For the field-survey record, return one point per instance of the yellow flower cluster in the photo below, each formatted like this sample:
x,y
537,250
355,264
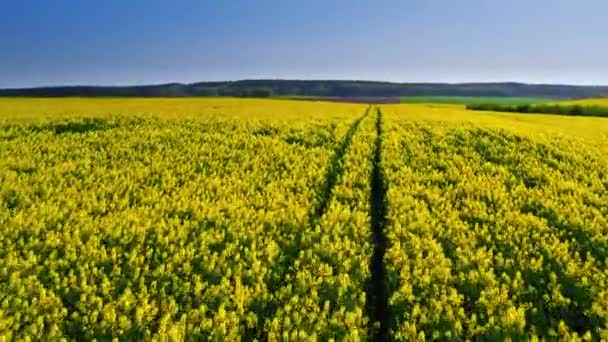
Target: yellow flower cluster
x,y
494,233
228,219
325,295
155,225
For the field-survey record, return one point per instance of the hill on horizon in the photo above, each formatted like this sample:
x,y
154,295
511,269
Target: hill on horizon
x,y
320,88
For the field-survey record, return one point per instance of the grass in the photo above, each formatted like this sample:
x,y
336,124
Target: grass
x,y
466,100
568,109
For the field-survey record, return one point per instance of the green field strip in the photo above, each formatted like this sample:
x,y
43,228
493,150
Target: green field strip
x,y
469,100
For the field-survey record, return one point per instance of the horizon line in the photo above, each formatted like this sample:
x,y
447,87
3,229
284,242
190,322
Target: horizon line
x,y
152,84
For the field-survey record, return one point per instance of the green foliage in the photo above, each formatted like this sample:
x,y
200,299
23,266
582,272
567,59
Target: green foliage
x,y
574,110
256,92
328,88
474,100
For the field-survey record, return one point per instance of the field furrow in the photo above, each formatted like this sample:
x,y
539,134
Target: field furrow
x,y
234,219
157,226
325,296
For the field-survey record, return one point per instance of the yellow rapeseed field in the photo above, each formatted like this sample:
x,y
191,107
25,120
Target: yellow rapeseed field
x,y
228,219
588,102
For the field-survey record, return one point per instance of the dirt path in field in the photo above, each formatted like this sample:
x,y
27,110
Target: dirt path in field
x,y
377,296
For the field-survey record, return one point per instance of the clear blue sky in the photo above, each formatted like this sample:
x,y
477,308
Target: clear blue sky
x,y
44,42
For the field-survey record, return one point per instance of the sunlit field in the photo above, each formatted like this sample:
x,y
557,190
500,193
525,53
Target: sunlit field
x,y
228,219
466,100
588,102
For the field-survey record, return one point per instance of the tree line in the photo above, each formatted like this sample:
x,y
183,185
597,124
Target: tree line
x,y
574,110
323,88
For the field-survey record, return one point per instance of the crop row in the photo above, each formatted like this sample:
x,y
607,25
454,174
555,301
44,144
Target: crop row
x,y
289,221
153,227
493,235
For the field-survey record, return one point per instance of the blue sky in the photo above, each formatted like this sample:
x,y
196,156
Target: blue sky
x,y
110,42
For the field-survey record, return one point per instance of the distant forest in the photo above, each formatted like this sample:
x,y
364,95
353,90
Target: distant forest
x,y
573,110
271,88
